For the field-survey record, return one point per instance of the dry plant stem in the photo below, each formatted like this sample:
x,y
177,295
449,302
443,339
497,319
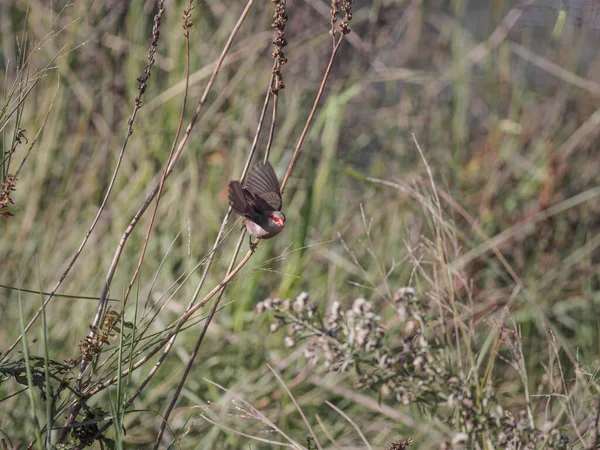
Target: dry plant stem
x,y
210,258
204,98
226,280
164,174
274,444
167,413
87,235
290,168
207,268
102,303
175,329
169,345
251,411
242,177
312,113
326,432
351,422
273,122
354,38
289,393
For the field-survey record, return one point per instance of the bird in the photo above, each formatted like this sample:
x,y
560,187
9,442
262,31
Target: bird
x,y
259,202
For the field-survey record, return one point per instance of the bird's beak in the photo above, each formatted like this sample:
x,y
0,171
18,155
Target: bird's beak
x,y
279,221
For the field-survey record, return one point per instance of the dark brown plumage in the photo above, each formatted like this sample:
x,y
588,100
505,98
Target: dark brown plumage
x,y
259,201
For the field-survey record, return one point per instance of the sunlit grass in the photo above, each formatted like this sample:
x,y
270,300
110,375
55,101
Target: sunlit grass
x,y
493,220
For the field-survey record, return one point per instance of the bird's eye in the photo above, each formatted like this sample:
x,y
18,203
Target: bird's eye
x,y
278,220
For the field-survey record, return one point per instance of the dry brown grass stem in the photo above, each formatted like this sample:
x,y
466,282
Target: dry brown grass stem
x,y
312,113
273,121
213,310
164,173
167,413
251,411
128,133
351,422
169,169
174,331
289,170
298,408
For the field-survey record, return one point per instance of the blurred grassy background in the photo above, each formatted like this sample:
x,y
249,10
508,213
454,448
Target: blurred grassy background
x,y
509,128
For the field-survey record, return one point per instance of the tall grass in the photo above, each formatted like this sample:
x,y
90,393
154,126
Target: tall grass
x,y
447,177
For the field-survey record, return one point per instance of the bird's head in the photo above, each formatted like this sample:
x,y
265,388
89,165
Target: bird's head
x,y
277,218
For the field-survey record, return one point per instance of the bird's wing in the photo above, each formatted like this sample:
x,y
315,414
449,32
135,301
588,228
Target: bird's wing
x,y
272,199
262,179
263,183
238,199
247,204
261,205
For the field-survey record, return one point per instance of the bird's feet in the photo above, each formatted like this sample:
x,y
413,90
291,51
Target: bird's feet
x,y
253,245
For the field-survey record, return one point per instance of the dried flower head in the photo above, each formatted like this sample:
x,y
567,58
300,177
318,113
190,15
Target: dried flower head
x,y
7,186
401,445
279,22
403,364
404,293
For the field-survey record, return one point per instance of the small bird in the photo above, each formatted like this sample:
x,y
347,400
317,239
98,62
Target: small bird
x,y
259,202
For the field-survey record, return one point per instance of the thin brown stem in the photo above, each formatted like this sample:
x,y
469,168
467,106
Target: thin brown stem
x,y
312,113
174,331
132,117
164,174
167,413
273,118
211,256
170,166
214,308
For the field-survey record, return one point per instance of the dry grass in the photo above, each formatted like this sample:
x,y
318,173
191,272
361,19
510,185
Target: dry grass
x,y
442,149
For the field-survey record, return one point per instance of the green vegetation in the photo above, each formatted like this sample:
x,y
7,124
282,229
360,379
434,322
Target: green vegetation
x,y
437,284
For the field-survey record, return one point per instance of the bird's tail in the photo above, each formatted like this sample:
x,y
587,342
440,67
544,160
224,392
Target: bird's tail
x,y
238,199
